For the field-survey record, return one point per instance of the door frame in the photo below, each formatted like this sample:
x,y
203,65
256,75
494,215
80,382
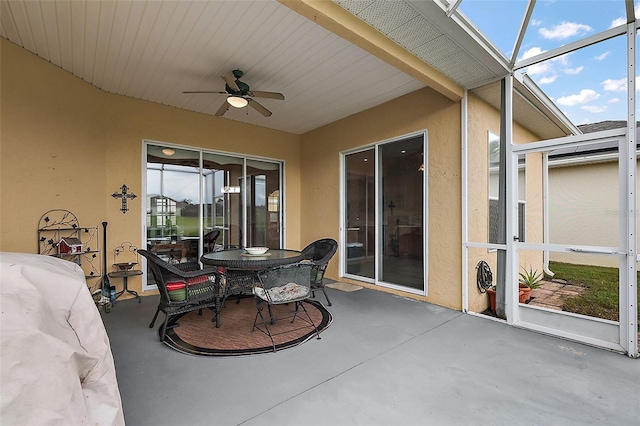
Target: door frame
x,y
377,281
621,335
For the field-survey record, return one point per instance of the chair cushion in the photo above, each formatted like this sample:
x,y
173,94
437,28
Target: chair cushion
x,y
286,293
177,289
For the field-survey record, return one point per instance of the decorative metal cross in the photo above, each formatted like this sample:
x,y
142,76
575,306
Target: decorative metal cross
x,y
124,195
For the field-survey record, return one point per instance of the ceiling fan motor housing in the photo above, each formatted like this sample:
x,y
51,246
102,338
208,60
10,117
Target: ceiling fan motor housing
x,y
244,89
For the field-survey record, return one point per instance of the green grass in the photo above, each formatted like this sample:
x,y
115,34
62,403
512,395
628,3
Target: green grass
x,y
600,299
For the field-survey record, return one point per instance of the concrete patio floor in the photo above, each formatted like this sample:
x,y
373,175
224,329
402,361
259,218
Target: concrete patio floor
x,y
385,360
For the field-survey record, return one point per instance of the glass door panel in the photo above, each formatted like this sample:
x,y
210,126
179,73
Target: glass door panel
x,y
173,197
360,213
263,204
401,174
222,201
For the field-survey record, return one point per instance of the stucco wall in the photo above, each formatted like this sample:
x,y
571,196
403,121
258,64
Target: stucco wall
x,y
67,145
424,109
484,119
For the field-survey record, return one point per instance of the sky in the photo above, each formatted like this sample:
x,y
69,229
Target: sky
x,y
588,85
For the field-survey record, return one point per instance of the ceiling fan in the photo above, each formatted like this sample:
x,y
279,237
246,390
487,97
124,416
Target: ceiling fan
x,y
241,95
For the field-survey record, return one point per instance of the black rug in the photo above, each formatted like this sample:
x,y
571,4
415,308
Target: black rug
x,y
197,335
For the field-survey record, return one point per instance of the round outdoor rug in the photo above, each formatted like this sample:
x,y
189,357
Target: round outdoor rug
x,y
197,335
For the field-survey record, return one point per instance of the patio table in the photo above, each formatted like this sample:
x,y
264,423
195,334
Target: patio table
x,y
241,268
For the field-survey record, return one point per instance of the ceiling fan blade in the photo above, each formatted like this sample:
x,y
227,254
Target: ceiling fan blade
x,y
204,91
270,95
223,108
255,105
231,82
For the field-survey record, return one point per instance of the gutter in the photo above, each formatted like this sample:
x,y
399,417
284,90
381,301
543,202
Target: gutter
x,y
557,116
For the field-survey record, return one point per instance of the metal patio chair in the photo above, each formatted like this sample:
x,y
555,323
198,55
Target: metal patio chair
x,y
319,253
290,284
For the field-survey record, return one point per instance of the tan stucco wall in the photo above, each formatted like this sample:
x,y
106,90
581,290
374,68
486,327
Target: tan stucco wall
x,y
67,145
584,210
421,110
484,119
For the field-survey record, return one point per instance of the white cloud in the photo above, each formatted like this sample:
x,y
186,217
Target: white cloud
x,y
615,85
613,101
564,30
538,69
585,95
532,52
602,56
594,109
574,71
547,72
623,20
547,80
535,23
618,21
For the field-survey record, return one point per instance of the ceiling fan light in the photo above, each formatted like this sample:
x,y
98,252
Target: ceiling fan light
x,y
237,101
168,152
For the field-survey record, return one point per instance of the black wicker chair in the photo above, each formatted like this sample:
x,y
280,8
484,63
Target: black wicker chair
x,y
319,253
283,285
209,242
183,287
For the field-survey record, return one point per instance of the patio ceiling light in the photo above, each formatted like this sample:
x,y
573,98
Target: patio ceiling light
x,y
237,101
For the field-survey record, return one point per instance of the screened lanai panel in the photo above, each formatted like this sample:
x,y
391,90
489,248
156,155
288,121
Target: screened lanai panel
x,y
580,289
499,21
556,23
573,237
583,198
588,85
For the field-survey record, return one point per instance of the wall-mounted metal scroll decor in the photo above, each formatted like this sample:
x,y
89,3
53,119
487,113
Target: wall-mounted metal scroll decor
x,y
125,256
125,195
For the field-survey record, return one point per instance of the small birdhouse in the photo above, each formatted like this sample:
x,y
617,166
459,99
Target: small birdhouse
x,y
69,245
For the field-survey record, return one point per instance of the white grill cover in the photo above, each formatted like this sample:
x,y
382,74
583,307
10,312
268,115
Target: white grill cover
x,y
56,363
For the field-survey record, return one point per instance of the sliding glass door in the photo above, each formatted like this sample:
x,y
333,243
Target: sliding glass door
x,y
193,196
385,214
401,175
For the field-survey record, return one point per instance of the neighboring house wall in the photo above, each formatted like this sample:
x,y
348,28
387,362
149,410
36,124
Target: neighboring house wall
x,y
584,210
68,145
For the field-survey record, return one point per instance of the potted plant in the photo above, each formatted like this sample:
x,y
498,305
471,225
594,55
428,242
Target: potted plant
x,y
528,281
491,291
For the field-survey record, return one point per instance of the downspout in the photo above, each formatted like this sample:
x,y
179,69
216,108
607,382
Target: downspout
x,y
545,212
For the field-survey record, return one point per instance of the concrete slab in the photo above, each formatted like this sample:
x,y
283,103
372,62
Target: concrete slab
x,y
385,360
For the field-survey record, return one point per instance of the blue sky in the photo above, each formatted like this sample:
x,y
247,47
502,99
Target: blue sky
x,y
588,85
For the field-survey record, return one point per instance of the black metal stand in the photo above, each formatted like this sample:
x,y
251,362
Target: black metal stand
x,y
125,275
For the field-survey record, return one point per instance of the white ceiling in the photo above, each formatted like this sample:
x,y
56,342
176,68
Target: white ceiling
x,y
154,50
